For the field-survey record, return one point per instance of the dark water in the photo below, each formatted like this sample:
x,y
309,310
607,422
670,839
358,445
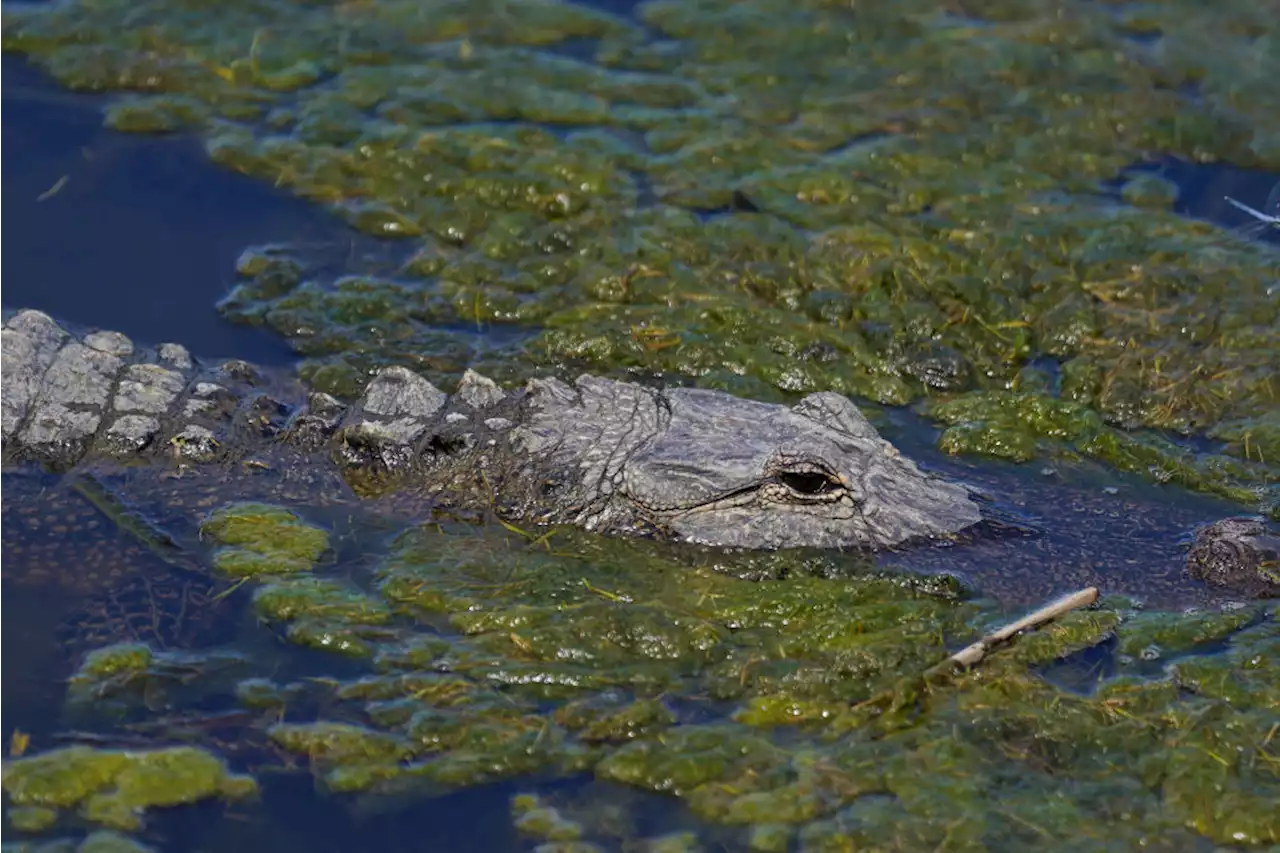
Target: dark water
x,y
1076,525
1204,190
34,667
143,233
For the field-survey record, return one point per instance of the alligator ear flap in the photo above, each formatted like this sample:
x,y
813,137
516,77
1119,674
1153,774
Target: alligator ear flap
x,y
837,412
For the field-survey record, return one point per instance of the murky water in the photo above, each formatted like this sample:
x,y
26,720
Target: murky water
x,y
140,235
1065,513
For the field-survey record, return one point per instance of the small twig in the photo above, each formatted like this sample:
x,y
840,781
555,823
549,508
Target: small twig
x,y
970,655
55,189
244,580
1256,214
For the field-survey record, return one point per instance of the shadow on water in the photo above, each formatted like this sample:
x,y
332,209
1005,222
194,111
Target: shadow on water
x,y
138,234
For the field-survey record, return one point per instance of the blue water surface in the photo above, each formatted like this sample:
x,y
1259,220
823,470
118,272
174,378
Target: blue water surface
x,y
134,233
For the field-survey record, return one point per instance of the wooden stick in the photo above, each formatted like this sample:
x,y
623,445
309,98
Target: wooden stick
x,y
1256,214
970,655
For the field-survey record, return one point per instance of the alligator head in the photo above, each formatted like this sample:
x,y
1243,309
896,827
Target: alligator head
x,y
715,469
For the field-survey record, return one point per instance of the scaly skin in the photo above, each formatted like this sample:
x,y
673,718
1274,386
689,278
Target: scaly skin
x,y
614,457
1240,554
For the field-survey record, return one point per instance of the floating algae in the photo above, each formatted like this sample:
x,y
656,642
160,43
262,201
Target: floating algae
x,y
538,662
115,789
263,540
534,818
120,659
1149,191
322,613
106,841
906,201
897,202
1021,426
132,679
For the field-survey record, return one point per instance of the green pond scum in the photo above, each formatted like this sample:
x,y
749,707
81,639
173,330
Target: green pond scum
x,y
261,539
918,203
114,788
899,201
800,712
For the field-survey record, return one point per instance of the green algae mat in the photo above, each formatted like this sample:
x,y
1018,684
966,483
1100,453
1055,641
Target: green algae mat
x,y
802,712
914,203
899,201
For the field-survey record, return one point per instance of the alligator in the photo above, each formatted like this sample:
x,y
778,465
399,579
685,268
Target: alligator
x,y
615,457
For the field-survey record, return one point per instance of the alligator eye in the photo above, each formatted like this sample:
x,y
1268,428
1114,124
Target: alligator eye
x,y
807,483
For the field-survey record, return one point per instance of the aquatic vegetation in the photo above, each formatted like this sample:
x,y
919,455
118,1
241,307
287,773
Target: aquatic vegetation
x,y
115,788
598,719
573,654
1153,636
322,613
106,841
130,679
1022,426
122,658
1150,190
799,707
534,818
901,202
263,540
337,742
895,202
